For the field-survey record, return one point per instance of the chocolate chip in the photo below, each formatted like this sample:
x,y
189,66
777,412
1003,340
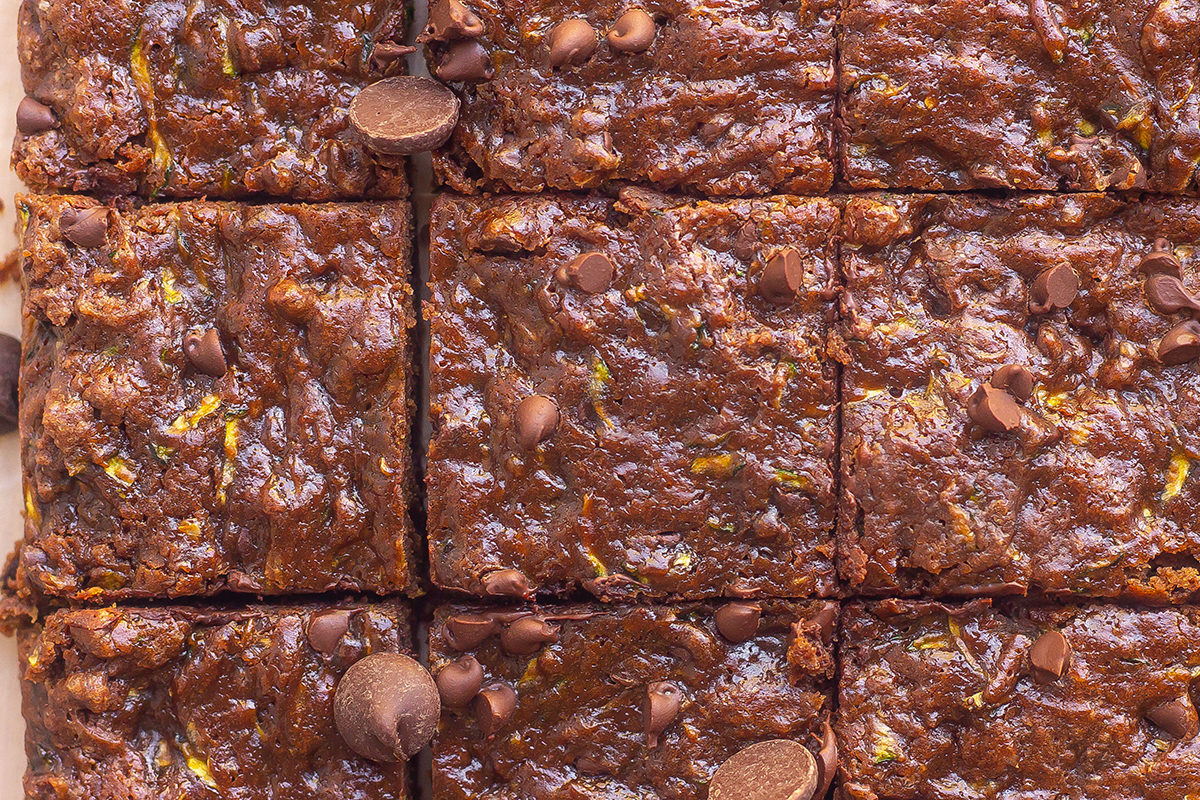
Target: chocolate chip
x,y
1166,294
1161,261
525,636
778,769
827,760
34,117
634,32
258,48
404,115
292,301
534,421
10,378
326,629
1054,288
464,62
459,681
450,19
86,228
659,709
572,42
1177,717
494,706
386,55
506,583
738,621
1049,656
1180,345
1017,379
468,631
994,410
590,272
386,707
781,279
205,353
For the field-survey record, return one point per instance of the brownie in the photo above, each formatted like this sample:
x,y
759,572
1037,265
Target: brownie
x,y
609,702
188,703
953,701
1086,485
670,94
1081,95
216,396
227,99
632,395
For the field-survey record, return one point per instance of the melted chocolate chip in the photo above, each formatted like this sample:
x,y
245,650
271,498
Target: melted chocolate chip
x,y
1161,261
86,228
459,681
590,272
634,32
464,62
1166,294
827,760
34,117
1180,345
494,706
386,55
738,621
1049,656
571,43
386,707
468,631
994,410
326,629
534,421
404,115
1016,378
205,353
659,709
506,583
525,636
450,19
778,769
10,377
1177,717
781,279
1054,288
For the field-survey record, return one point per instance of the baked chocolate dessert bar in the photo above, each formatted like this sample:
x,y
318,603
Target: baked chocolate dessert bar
x,y
1085,95
610,702
956,701
221,99
1020,400
184,702
673,95
216,396
632,395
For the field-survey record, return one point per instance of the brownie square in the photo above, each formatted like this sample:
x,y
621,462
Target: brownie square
x,y
192,702
739,102
1091,490
951,701
1081,95
563,710
224,99
617,404
283,467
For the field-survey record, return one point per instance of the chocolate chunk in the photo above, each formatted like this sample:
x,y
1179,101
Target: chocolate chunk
x,y
1161,261
86,228
386,55
738,621
590,272
34,117
571,43
1166,294
506,583
534,421
634,32
468,631
1177,717
386,707
326,629
205,353
1049,656
781,279
10,377
1017,379
404,115
450,19
1180,345
994,410
827,760
459,681
258,48
494,706
1054,288
464,62
659,709
525,636
778,769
